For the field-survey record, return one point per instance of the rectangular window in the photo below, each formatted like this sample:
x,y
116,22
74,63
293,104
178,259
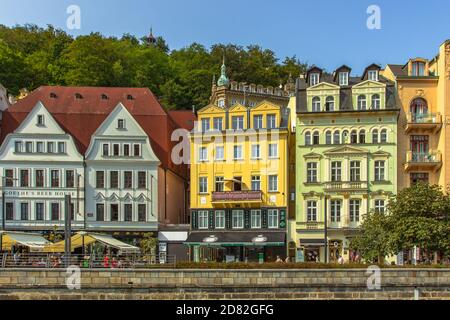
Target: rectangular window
x,y
311,211
203,219
336,171
24,178
355,171
354,210
142,180
55,211
336,210
142,212
100,179
18,146
311,172
219,184
205,124
343,78
39,211
39,176
61,147
237,153
314,79
54,178
256,151
203,154
271,121
257,122
126,150
121,123
237,122
203,185
100,212
28,147
39,147
273,150
220,153
220,219
9,211
373,75
379,206
9,178
273,183
50,147
114,180
256,183
114,212
272,218
24,211
105,150
218,124
116,149
137,150
238,219
128,180
255,217
70,179
379,170
128,212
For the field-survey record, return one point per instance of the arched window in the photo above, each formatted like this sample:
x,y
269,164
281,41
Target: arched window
x,y
375,136
328,138
316,104
329,104
362,102
344,136
383,136
308,138
316,137
376,102
354,137
362,136
418,108
336,137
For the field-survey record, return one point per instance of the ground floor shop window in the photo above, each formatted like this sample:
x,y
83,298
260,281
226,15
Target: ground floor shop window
x,y
203,219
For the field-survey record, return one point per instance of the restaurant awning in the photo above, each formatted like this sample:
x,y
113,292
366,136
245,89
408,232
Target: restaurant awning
x,y
34,241
88,238
236,238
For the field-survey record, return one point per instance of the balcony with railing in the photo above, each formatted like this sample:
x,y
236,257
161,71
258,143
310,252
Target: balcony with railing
x,y
431,160
237,196
425,122
341,186
344,223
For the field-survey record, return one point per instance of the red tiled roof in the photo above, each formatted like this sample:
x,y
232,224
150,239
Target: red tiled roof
x,y
81,117
183,118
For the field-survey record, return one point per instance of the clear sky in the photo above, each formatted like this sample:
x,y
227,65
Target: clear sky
x,y
327,33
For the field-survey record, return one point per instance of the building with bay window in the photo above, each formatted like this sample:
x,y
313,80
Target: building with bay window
x,y
239,187
346,149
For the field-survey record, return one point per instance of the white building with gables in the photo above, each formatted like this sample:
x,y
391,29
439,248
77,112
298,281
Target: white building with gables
x,y
122,176
40,166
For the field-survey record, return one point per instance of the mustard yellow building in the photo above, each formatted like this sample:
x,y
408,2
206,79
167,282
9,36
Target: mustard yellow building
x,y
239,183
423,88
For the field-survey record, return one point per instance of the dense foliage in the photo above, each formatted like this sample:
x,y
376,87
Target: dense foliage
x,y
417,217
31,56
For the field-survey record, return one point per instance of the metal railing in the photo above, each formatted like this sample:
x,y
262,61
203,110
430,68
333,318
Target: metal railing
x,y
424,118
53,261
424,157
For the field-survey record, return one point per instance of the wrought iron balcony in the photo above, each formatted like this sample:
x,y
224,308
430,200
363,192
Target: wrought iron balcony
x,y
237,196
427,121
431,160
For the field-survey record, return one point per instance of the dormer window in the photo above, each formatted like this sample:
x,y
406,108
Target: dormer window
x,y
104,97
343,78
78,96
314,79
53,95
418,69
40,120
372,75
130,97
121,124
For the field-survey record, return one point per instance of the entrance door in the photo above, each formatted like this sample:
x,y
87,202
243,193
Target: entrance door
x,y
335,248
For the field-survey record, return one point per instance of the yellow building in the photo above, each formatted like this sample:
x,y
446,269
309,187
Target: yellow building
x,y
423,88
239,183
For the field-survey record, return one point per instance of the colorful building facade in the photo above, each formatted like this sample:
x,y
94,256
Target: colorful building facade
x,y
346,166
239,183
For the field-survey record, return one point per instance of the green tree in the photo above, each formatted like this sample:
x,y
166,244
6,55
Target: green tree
x,y
148,244
13,69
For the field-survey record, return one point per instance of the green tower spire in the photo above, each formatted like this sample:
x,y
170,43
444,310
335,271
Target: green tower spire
x,y
223,80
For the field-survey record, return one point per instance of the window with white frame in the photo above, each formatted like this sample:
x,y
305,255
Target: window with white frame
x,y
336,171
355,205
375,136
316,138
311,211
272,218
383,136
376,102
237,217
257,121
308,138
220,184
28,147
203,219
329,103
39,147
273,183
273,150
237,122
121,123
362,102
40,120
218,124
328,137
343,78
220,153
380,206
205,124
237,153
203,154
314,79
373,75
203,185
311,172
219,219
256,151
61,147
355,171
255,219
256,183
335,208
50,147
380,170
18,146
336,137
271,121
316,104
105,151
